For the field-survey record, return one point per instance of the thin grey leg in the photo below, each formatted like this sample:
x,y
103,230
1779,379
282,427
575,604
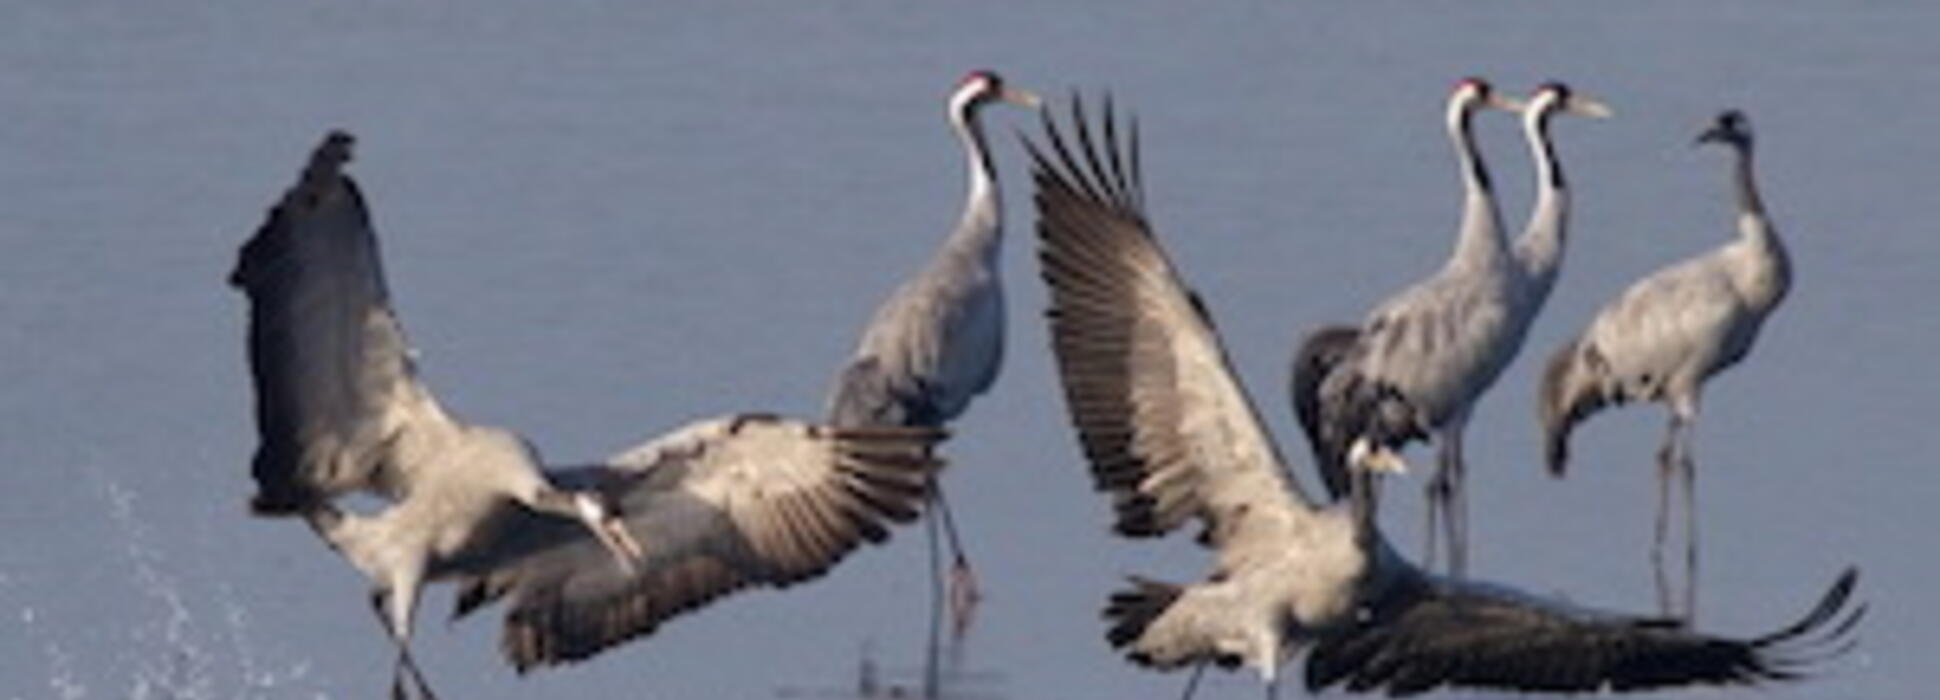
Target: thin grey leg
x,y
932,655
1192,684
405,665
1667,466
1689,466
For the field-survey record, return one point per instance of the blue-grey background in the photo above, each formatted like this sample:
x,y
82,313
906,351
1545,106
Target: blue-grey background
x,y
603,219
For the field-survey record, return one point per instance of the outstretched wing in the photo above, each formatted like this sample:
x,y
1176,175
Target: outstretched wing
x,y
716,506
334,383
1168,429
1467,635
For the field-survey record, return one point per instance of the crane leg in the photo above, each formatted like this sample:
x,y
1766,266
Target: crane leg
x,y
1444,500
1192,683
405,667
1688,466
962,589
1436,494
1456,511
1666,471
1675,464
932,653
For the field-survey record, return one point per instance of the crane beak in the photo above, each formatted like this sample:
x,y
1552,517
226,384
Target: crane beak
x,y
611,531
1021,97
1505,102
626,550
1586,106
1364,456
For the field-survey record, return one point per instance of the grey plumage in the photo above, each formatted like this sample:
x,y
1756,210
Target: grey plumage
x,y
938,341
1170,435
1426,354
719,506
1670,332
340,410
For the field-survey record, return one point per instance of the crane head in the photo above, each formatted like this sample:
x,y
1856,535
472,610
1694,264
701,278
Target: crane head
x,y
1731,127
1557,96
980,87
1472,93
607,525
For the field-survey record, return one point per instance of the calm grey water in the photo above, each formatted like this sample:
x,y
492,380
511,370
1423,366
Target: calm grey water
x,y
604,219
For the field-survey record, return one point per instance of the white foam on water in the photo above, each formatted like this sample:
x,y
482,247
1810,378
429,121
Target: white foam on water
x,y
192,643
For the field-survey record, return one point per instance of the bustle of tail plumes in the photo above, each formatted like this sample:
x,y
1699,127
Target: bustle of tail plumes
x,y
1319,353
1569,395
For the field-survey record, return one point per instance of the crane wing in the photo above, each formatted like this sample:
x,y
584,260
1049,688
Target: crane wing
x,y
335,386
1168,429
717,506
1445,633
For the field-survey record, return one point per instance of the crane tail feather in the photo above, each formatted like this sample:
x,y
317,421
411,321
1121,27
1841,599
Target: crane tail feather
x,y
1567,398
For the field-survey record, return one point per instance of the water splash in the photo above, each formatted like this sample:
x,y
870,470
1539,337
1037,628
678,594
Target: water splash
x,y
192,643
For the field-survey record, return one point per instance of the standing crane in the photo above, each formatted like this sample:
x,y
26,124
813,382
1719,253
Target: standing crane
x,y
1423,356
1664,336
592,556
938,340
1539,250
1172,437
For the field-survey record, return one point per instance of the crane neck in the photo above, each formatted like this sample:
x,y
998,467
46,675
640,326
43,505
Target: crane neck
x,y
1481,243
1765,281
980,228
1751,207
1540,249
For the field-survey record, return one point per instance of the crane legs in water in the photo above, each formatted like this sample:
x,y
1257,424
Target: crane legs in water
x,y
959,593
1448,500
1674,461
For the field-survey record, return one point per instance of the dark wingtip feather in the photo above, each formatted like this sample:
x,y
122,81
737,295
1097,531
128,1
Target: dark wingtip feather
x,y
320,174
1132,610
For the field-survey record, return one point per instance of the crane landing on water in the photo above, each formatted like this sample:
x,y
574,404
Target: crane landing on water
x,y
590,557
1664,337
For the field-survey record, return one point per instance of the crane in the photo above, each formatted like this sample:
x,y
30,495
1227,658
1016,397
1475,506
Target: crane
x,y
1424,356
592,556
1664,337
938,340
1171,436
